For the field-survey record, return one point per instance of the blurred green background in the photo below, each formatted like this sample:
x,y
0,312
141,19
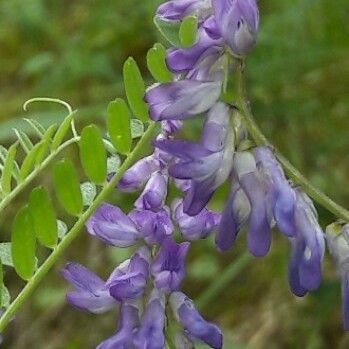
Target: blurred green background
x,y
298,79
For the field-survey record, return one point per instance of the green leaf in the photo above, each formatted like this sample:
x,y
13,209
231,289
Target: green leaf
x,y
5,297
135,89
137,128
93,154
43,217
62,229
67,187
5,254
156,61
113,163
23,244
89,192
169,30
24,140
8,169
188,31
36,126
62,131
119,127
30,160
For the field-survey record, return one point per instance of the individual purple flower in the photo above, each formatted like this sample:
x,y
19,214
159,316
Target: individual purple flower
x,y
280,194
130,278
138,174
127,326
170,127
181,99
168,267
91,292
337,237
151,332
238,22
154,194
113,226
183,60
207,164
307,248
236,212
178,9
154,227
194,227
193,323
259,220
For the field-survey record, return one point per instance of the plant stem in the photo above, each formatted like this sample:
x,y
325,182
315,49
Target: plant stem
x,y
219,284
75,230
290,170
21,186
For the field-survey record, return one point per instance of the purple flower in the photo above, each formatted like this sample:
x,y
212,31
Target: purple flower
x,y
182,60
151,332
138,174
194,227
307,248
337,237
178,9
280,194
170,127
154,194
236,212
154,227
168,267
238,22
91,292
193,323
128,323
259,230
181,99
207,164
112,226
130,278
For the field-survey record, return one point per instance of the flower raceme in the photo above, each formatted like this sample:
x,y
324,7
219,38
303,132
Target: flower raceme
x,y
260,197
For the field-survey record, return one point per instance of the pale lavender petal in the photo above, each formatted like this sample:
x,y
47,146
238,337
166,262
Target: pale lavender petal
x,y
112,226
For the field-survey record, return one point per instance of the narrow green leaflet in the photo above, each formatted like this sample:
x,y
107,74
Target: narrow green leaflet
x,y
23,244
24,140
5,297
36,126
30,160
119,127
62,131
156,61
62,229
5,254
93,154
67,187
135,89
89,192
188,31
169,30
43,217
8,169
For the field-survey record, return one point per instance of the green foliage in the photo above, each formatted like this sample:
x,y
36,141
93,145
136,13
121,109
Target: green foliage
x,y
118,125
93,154
67,187
135,89
156,63
188,31
23,244
61,132
7,172
43,217
169,30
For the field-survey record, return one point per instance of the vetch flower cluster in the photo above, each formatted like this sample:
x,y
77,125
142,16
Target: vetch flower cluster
x,y
146,287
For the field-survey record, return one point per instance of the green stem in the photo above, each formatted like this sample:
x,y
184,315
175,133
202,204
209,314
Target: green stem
x,y
219,284
75,230
290,170
21,186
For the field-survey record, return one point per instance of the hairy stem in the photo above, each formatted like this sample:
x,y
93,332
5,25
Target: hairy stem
x,y
21,186
290,170
75,230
